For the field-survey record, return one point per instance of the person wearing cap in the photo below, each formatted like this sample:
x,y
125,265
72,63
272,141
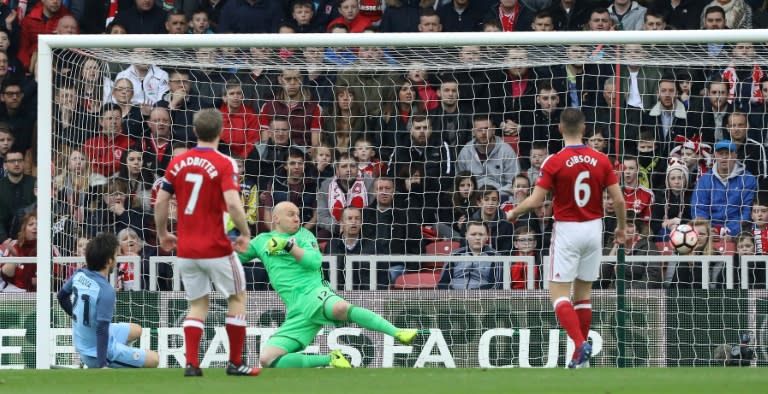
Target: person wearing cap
x,y
673,203
724,194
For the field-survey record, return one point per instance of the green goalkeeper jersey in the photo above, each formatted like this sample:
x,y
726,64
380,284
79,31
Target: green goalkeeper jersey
x,y
289,278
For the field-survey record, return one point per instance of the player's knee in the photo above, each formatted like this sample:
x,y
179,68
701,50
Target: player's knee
x,y
134,332
340,310
152,359
266,360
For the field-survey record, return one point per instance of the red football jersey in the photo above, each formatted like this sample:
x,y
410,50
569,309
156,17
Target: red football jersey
x,y
576,176
199,178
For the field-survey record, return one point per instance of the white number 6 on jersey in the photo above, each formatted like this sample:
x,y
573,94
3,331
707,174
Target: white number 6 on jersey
x,y
581,190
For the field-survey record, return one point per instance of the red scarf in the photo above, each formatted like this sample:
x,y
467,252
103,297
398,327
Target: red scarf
x,y
509,22
356,196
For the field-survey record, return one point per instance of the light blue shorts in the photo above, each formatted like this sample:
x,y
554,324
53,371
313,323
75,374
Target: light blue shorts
x,y
119,354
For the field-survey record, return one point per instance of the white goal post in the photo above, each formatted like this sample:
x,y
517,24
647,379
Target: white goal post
x,y
45,78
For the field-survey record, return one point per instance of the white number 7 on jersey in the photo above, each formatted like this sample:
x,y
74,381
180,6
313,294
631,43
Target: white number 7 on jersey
x,y
197,183
581,190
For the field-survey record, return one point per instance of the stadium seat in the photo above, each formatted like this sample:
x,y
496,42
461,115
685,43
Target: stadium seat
x,y
664,248
419,280
441,248
724,248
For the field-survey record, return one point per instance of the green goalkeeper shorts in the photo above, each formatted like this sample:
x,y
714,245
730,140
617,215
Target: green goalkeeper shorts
x,y
305,319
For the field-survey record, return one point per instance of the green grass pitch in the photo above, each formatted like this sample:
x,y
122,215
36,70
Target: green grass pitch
x,y
394,381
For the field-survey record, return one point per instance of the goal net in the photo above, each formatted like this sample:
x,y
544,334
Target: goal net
x,y
394,147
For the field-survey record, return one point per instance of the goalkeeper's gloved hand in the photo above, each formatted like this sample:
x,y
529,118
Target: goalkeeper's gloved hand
x,y
276,244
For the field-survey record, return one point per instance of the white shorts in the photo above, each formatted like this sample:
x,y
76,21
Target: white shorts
x,y
575,251
226,273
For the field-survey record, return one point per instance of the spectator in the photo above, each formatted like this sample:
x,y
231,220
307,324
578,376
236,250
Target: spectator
x,y
150,82
176,23
456,207
525,242
489,211
373,86
745,246
637,197
514,91
240,130
6,142
750,152
294,102
138,178
132,119
461,15
651,166
292,182
687,275
367,162
569,14
683,14
543,21
713,18
433,155
339,56
345,120
351,17
513,15
200,23
600,20
351,242
473,275
17,191
595,139
429,21
209,81
737,13
758,225
20,116
112,210
655,19
132,245
143,17
710,112
539,153
474,83
21,277
115,28
67,125
322,160
41,19
668,116
628,14
724,194
672,205
695,156
402,16
302,17
488,158
640,83
72,192
259,81
420,210
419,77
346,189
541,125
15,70
638,275
157,145
448,119
250,16
271,152
317,79
385,222
10,26
102,150
182,101
91,86
407,104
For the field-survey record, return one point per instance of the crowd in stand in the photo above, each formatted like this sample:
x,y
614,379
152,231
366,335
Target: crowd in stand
x,y
383,162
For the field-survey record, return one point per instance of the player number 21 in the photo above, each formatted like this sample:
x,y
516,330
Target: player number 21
x,y
581,190
197,183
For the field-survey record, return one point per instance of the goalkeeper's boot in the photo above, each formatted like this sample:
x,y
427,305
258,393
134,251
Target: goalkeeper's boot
x,y
406,336
192,371
581,356
338,360
241,370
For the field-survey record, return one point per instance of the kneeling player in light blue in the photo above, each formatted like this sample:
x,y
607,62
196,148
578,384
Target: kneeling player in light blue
x,y
89,299
292,259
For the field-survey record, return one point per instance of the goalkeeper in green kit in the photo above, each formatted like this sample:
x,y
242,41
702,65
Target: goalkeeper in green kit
x,y
292,259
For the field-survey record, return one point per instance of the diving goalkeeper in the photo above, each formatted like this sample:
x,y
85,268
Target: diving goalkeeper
x,y
292,259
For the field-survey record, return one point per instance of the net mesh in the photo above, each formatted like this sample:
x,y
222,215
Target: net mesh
x,y
680,99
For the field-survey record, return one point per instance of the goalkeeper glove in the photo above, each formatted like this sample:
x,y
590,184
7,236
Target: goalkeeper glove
x,y
276,244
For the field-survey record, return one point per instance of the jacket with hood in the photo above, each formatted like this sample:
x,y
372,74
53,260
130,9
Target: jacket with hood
x,y
498,169
725,201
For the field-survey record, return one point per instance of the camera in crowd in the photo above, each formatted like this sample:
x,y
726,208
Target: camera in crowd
x,y
737,355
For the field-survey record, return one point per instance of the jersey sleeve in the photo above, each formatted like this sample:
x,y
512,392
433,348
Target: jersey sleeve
x,y
545,179
312,259
255,249
105,305
610,177
229,179
63,296
166,182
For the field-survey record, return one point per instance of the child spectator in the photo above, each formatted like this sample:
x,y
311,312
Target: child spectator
x,y
596,140
350,16
746,246
652,167
303,17
525,243
539,152
322,158
673,202
696,156
489,211
468,274
22,277
419,76
456,207
200,23
759,223
367,162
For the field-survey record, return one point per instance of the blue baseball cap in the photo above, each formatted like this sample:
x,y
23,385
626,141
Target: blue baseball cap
x,y
725,144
